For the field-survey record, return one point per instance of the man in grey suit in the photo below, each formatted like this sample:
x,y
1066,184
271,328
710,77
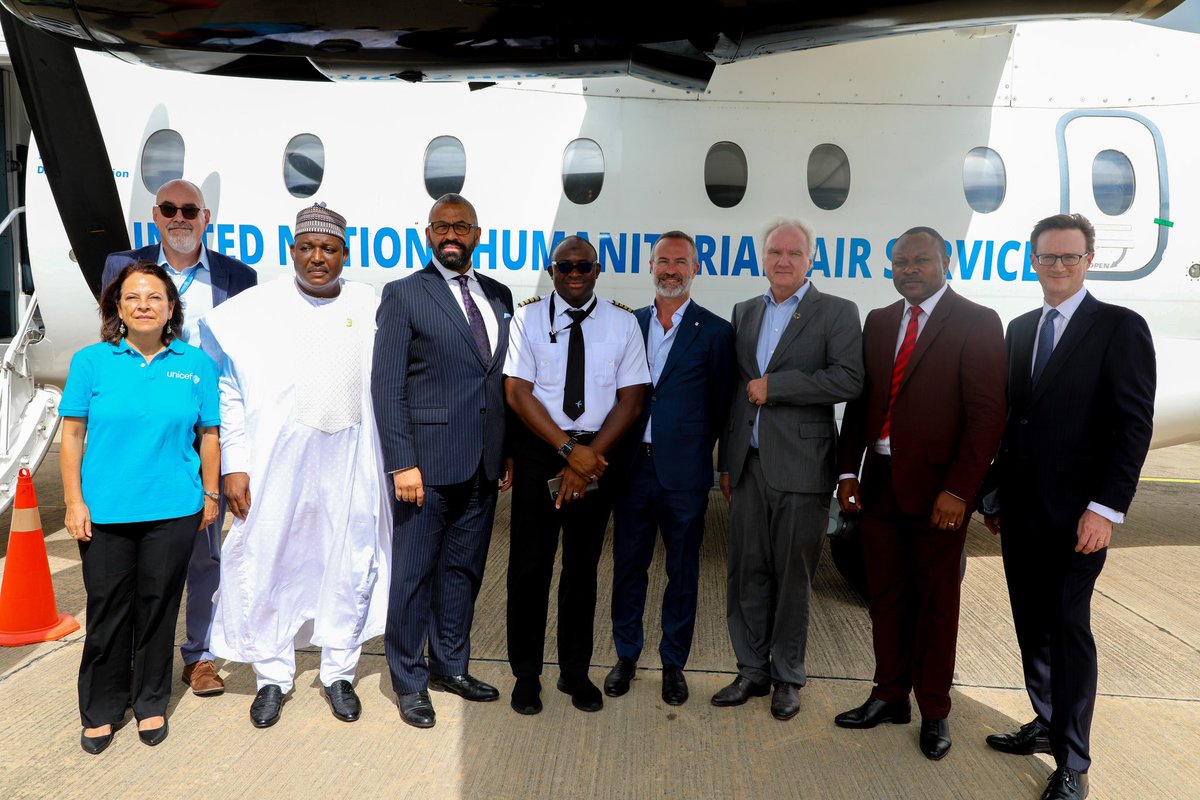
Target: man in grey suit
x,y
205,279
439,405
799,352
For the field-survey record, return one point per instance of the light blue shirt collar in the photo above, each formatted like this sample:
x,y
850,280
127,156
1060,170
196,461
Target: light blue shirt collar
x,y
202,262
797,297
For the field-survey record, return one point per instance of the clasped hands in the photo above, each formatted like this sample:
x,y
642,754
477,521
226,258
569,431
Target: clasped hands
x,y
584,465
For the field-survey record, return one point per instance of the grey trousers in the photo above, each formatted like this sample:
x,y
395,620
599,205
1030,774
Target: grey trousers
x,y
775,542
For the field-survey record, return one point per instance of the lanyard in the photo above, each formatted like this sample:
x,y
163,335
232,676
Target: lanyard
x,y
554,331
187,282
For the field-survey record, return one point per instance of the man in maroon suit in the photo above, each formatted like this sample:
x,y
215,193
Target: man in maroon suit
x,y
930,419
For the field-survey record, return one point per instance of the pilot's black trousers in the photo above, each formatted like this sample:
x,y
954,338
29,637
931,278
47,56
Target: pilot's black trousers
x,y
534,544
133,574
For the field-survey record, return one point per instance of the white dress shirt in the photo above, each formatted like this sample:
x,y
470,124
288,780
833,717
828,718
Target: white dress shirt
x,y
476,288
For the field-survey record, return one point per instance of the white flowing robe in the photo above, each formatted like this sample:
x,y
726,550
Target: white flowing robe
x,y
296,416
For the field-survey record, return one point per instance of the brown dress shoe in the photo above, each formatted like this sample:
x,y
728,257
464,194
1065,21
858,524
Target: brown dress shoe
x,y
203,678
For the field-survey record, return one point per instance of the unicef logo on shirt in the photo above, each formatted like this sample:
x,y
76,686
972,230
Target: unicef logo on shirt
x,y
184,376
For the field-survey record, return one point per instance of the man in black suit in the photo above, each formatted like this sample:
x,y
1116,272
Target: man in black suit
x,y
439,404
1081,379
205,279
690,354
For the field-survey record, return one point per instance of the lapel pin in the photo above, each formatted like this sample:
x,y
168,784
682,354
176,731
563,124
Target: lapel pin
x,y
796,315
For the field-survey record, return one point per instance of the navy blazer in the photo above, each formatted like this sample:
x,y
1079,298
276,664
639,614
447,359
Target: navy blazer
x,y
439,405
1080,434
229,276
690,402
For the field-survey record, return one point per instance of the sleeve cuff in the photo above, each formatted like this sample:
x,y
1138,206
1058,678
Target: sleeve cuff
x,y
1113,516
845,476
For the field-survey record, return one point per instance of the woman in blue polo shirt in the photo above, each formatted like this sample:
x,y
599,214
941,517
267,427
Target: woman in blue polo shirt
x,y
137,495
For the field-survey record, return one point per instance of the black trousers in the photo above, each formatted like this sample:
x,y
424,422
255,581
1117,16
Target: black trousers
x,y
535,529
133,574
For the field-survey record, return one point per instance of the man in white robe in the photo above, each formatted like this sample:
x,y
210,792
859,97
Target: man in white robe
x,y
307,559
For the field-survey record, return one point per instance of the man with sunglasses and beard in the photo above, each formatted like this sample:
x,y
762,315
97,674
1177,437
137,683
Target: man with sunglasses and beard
x,y
439,402
204,279
575,377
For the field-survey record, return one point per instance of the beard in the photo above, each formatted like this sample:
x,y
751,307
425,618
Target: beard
x,y
454,259
671,291
182,240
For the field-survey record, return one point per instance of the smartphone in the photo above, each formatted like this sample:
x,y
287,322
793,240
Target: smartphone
x,y
555,486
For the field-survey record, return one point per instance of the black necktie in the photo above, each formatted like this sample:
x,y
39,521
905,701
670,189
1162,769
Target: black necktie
x,y
573,390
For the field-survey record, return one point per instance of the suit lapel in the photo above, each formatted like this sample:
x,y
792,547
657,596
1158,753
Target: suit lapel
x,y
1081,322
799,321
1022,358
439,290
219,277
689,327
500,346
748,343
933,326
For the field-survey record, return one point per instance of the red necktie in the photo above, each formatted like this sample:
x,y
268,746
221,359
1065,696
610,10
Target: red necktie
x,y
902,357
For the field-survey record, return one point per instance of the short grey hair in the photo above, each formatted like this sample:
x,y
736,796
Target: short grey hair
x,y
804,225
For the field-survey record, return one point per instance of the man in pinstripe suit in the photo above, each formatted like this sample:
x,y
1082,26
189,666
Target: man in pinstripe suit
x,y
439,404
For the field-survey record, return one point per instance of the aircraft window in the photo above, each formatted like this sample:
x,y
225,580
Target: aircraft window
x,y
583,171
828,176
303,165
445,166
725,174
984,179
162,159
1113,183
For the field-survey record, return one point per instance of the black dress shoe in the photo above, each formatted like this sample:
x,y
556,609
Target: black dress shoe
x,y
96,744
417,709
527,696
617,682
343,701
584,694
785,703
935,738
465,686
154,735
1030,738
873,712
264,711
1066,784
674,688
738,692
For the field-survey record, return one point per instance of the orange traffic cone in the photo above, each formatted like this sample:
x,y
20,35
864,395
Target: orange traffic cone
x,y
28,613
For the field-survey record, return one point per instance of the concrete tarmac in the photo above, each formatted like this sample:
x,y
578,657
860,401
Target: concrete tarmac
x,y
1145,735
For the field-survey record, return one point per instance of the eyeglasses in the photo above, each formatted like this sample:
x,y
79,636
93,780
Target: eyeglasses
x,y
567,267
1067,259
442,228
169,210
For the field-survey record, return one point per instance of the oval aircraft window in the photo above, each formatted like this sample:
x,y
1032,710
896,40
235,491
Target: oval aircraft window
x,y
303,165
1113,184
583,171
162,159
445,166
828,176
984,179
725,174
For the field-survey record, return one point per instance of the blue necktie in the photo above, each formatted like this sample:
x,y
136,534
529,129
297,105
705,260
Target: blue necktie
x,y
1045,345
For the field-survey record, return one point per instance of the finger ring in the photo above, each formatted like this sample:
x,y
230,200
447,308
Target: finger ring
x,y
574,494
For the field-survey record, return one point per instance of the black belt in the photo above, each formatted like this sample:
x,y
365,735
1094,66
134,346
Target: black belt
x,y
754,452
583,437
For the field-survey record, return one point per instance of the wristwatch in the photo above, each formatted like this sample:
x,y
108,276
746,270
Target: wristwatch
x,y
567,447
216,498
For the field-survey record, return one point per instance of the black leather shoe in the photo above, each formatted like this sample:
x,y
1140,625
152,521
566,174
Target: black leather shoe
x,y
738,692
417,709
584,694
1030,738
527,696
785,703
1066,784
154,735
96,745
873,712
617,682
674,688
465,686
343,701
935,738
264,711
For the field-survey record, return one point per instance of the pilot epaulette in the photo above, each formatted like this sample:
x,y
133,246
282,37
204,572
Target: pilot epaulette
x,y
621,306
533,299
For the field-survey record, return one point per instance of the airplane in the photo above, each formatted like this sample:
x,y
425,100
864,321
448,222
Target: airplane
x,y
977,123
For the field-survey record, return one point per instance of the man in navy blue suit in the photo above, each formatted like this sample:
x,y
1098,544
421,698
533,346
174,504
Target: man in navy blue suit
x,y
690,354
442,334
205,279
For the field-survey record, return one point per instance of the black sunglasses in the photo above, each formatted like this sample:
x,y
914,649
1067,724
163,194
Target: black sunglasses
x,y
169,210
567,267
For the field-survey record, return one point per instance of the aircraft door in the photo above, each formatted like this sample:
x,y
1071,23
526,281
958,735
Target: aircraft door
x,y
1113,170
